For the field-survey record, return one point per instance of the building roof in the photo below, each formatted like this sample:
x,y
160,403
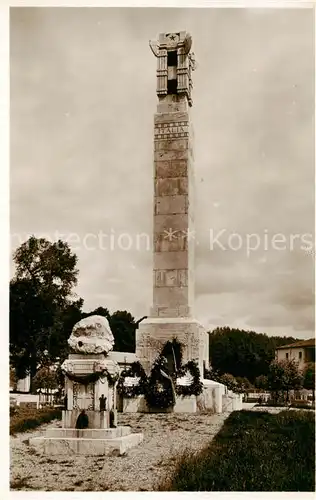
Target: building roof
x,y
300,343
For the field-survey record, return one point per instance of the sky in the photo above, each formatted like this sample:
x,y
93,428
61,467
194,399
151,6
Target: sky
x,y
83,96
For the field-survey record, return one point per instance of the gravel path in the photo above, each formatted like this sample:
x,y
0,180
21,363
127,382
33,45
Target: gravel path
x,y
165,436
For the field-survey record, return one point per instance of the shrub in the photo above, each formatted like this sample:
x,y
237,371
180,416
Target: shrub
x,y
24,419
254,451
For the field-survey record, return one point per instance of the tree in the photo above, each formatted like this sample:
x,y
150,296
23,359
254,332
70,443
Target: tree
x,y
284,376
229,380
309,378
243,353
13,378
99,311
46,379
63,325
40,299
261,382
50,266
123,327
243,383
31,319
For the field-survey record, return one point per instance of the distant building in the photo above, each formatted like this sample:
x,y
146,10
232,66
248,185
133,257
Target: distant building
x,y
19,385
303,352
24,384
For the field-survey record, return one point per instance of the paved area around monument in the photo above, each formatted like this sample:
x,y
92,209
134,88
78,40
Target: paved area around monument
x,y
165,436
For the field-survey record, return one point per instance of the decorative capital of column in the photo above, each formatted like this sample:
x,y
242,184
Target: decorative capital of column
x,y
175,63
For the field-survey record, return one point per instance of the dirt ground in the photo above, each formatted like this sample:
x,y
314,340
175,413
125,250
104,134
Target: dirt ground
x,y
165,436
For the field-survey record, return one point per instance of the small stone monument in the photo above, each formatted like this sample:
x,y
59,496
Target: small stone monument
x,y
90,418
90,373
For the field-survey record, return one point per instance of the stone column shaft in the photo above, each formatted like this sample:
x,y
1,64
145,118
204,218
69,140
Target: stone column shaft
x,y
173,291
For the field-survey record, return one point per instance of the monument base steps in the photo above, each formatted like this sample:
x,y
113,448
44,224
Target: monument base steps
x,y
86,441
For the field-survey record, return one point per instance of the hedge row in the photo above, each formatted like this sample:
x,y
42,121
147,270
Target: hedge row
x,y
26,419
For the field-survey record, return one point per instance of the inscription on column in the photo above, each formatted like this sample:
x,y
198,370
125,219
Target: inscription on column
x,y
169,130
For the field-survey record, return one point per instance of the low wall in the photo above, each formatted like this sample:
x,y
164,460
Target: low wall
x,y
227,403
232,402
211,397
237,402
187,404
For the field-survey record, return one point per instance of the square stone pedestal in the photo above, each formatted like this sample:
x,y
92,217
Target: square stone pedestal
x,y
86,441
82,396
153,333
96,419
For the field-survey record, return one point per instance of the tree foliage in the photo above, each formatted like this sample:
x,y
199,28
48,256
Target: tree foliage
x,y
123,326
46,379
284,376
99,311
309,378
261,382
13,378
243,353
227,379
40,301
50,266
64,322
244,383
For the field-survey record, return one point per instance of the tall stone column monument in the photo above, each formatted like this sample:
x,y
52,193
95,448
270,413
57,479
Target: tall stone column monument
x,y
172,313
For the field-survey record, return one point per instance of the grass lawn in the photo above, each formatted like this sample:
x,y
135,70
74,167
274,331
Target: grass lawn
x,y
254,451
24,419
